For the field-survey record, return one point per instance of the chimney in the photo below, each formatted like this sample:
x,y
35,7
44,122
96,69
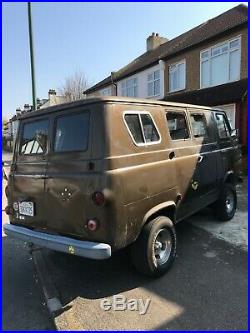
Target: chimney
x,y
18,111
52,92
27,107
155,40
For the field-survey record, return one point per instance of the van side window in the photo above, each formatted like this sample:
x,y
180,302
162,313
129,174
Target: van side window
x,y
149,130
34,138
177,125
72,132
223,129
134,126
199,125
142,128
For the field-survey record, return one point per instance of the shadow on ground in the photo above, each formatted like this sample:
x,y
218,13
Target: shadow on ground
x,y
23,304
208,282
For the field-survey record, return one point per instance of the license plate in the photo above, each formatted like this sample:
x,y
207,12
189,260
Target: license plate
x,y
26,208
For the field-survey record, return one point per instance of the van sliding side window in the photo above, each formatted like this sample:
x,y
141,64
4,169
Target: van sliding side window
x,y
142,128
199,125
177,126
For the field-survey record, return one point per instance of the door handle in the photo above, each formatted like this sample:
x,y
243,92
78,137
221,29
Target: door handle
x,y
200,158
171,155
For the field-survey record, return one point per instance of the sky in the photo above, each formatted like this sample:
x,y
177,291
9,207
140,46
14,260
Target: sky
x,y
95,38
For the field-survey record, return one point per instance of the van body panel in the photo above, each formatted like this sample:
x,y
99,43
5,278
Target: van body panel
x,y
136,178
27,181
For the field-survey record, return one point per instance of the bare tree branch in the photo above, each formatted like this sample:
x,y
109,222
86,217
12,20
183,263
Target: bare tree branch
x,y
74,86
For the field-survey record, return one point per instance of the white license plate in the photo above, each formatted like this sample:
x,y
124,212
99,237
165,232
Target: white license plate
x,y
26,208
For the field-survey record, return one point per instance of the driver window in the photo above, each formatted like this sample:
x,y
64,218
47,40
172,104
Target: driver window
x,y
223,128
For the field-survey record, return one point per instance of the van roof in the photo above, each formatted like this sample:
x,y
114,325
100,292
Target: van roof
x,y
109,99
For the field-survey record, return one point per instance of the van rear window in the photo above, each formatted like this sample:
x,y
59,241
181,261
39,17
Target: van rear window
x,y
72,132
34,138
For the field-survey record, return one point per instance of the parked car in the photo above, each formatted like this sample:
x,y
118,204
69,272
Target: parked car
x,y
98,175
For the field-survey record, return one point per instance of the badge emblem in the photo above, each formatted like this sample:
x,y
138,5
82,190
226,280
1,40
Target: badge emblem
x,y
195,185
71,249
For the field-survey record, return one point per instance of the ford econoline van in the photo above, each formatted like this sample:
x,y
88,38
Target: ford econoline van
x,y
98,175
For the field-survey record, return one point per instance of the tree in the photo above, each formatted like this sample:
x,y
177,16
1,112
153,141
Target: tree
x,y
4,123
74,86
4,129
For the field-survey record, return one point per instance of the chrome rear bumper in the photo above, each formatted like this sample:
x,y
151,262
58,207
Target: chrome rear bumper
x,y
80,248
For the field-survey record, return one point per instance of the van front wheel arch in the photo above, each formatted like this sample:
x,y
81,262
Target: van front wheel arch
x,y
154,251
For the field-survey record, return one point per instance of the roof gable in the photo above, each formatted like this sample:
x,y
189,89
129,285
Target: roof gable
x,y
224,22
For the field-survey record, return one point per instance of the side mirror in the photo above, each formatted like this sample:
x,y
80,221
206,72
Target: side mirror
x,y
234,133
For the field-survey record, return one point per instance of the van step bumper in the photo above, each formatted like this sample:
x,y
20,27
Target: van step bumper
x,y
80,248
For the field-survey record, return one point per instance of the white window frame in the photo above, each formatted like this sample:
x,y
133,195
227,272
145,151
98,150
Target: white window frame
x,y
153,80
209,50
125,86
183,61
143,144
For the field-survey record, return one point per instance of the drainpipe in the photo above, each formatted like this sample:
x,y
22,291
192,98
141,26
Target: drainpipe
x,y
113,83
162,76
242,118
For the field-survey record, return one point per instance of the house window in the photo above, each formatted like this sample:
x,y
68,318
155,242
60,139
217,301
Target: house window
x,y
106,92
154,83
130,88
177,76
220,64
142,128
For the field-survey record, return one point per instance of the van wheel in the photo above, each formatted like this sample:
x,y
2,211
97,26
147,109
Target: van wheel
x,y
226,205
154,251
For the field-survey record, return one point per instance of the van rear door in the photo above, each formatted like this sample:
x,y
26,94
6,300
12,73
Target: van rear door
x,y
27,179
69,180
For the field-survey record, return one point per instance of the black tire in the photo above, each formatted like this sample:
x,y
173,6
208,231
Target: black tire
x,y
147,250
226,205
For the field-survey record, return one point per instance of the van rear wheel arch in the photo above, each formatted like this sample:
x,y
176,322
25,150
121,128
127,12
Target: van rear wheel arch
x,y
167,209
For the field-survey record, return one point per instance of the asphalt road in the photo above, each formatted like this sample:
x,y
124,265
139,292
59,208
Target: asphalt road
x,y
206,289
22,299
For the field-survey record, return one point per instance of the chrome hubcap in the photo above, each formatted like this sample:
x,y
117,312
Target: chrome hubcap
x,y
162,246
230,202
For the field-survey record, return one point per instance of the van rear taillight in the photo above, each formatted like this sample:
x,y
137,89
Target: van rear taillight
x,y
92,224
98,198
9,210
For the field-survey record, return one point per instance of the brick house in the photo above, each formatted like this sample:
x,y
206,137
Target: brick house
x,y
206,65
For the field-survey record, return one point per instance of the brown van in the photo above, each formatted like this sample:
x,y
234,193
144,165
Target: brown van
x,y
94,176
